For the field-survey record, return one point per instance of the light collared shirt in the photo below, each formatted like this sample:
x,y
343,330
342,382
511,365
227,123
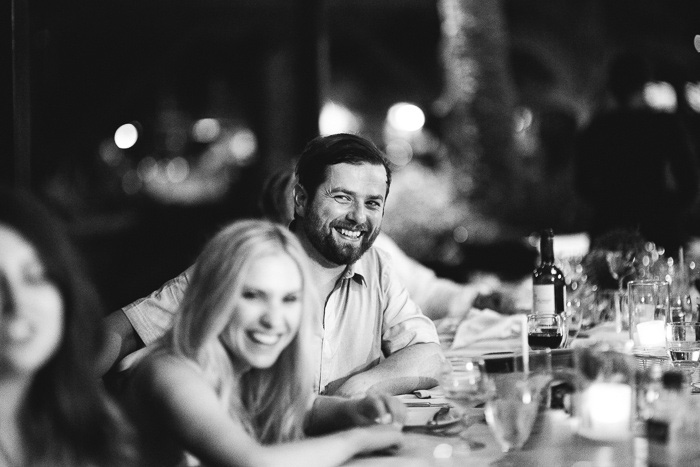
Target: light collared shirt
x,y
153,315
367,317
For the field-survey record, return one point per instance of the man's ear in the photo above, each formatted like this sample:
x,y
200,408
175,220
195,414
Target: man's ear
x,y
300,200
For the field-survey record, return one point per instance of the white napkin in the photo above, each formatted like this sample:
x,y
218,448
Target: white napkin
x,y
483,325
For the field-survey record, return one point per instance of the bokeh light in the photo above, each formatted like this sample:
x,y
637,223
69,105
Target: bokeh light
x,y
660,95
406,117
523,119
460,234
147,169
206,130
692,95
399,152
177,169
336,118
126,136
243,146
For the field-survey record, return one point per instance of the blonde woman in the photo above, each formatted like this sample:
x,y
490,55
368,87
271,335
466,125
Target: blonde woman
x,y
231,382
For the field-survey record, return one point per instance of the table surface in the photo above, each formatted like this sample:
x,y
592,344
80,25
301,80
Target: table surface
x,y
553,441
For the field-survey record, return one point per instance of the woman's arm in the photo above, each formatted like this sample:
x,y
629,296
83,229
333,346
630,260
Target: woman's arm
x,y
331,413
186,403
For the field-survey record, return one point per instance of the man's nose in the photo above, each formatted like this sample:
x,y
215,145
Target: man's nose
x,y
358,213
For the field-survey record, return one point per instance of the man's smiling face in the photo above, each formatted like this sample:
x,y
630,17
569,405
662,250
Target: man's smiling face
x,y
345,215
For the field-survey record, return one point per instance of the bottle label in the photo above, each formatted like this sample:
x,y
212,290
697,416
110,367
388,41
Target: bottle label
x,y
548,299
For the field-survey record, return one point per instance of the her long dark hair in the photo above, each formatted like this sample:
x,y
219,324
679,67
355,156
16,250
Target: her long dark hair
x,y
66,418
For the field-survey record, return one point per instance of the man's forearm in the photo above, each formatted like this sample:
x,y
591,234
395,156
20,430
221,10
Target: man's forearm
x,y
415,367
120,340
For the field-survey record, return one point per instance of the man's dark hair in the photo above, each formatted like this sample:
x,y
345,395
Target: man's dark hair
x,y
325,151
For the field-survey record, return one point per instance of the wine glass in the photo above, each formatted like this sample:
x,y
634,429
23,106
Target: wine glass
x,y
546,331
465,383
683,346
620,264
513,406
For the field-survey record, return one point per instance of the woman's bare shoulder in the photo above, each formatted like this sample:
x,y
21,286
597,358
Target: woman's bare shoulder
x,y
161,370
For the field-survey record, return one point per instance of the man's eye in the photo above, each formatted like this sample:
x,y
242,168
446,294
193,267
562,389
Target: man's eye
x,y
342,198
374,205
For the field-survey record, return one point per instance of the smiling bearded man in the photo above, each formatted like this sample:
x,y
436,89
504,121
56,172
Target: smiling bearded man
x,y
371,334
345,215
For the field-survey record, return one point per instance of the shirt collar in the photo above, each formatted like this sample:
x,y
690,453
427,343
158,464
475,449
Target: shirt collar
x,y
356,272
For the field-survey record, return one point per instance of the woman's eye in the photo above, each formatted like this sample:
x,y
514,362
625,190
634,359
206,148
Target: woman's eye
x,y
291,298
249,294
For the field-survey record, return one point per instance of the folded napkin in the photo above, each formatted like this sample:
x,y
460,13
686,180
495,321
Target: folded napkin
x,y
486,325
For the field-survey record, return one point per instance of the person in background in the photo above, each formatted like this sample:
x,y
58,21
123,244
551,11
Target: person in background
x,y
53,410
436,296
369,334
634,165
231,381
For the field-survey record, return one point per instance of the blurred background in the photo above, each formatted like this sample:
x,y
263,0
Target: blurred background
x,y
148,124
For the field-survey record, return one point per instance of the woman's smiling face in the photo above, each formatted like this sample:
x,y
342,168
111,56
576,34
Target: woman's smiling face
x,y
31,323
268,312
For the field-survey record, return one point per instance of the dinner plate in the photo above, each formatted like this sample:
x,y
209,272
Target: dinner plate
x,y
422,417
506,362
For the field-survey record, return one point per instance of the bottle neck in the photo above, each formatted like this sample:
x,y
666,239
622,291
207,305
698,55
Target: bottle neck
x,y
547,249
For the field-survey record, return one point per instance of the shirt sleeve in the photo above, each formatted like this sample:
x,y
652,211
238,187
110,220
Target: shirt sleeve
x,y
404,323
437,297
152,316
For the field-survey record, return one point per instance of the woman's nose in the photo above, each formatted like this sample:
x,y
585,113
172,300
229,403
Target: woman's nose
x,y
273,315
7,299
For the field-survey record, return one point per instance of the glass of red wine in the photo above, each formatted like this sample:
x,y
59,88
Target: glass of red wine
x,y
545,331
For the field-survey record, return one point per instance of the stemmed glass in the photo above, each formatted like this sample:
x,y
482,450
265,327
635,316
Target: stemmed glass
x,y
546,331
620,266
465,383
683,346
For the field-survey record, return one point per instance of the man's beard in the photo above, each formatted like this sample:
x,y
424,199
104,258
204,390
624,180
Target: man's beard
x,y
333,250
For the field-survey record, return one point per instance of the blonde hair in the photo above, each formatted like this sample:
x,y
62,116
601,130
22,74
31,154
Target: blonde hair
x,y
271,402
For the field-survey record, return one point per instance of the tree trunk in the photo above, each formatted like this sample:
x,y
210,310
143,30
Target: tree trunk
x,y
477,102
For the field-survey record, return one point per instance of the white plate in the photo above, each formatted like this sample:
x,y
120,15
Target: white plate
x,y
421,417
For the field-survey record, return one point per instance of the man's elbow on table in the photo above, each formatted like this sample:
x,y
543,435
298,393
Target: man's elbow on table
x,y
412,368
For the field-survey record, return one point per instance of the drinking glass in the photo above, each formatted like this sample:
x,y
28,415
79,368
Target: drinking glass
x,y
545,331
574,319
648,303
466,384
512,408
683,346
604,396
